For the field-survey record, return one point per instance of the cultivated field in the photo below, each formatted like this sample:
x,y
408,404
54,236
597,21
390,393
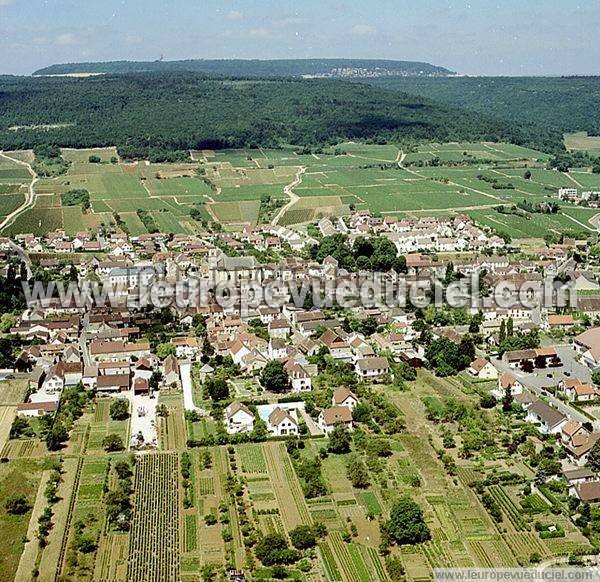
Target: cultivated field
x,y
233,187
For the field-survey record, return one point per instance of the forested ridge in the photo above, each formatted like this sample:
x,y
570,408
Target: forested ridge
x,y
563,103
180,111
251,67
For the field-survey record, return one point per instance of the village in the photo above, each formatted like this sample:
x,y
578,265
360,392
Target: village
x,y
197,375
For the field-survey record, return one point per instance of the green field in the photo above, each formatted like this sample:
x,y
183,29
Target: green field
x,y
228,186
582,141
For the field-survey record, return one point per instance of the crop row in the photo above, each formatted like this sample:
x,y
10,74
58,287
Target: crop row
x,y
154,539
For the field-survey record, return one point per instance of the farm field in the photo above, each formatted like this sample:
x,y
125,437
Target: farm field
x,y
17,477
582,141
232,494
231,186
154,537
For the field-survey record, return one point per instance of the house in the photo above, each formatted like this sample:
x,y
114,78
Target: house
x,y
206,371
344,397
186,347
300,376
483,369
372,367
588,492
550,419
329,418
37,408
55,379
525,399
338,347
279,328
282,422
578,476
141,386
570,429
507,382
562,322
112,383
580,446
238,418
587,344
171,370
577,391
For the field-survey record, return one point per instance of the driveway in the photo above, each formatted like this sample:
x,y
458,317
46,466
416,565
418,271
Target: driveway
x,y
185,371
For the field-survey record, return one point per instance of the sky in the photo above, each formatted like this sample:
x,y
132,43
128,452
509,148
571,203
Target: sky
x,y
477,37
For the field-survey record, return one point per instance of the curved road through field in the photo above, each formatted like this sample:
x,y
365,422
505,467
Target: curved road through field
x,y
30,197
293,197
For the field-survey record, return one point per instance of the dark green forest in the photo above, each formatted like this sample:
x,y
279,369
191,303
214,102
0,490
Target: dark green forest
x,y
251,67
563,103
181,111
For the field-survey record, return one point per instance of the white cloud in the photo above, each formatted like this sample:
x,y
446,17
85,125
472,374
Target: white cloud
x,y
260,33
66,39
6,2
288,21
363,30
235,15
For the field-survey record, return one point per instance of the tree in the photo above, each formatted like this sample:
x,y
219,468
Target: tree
x,y
119,409
406,524
164,350
217,387
273,549
20,427
357,472
596,376
593,461
17,505
57,435
507,400
339,440
123,469
112,442
487,401
509,327
155,380
274,377
93,159
502,332
527,175
303,537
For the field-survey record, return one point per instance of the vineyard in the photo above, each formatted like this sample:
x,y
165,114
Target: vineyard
x,y
154,537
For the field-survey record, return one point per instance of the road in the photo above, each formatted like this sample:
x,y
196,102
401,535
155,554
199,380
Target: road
x,y
539,381
293,197
30,197
185,371
23,256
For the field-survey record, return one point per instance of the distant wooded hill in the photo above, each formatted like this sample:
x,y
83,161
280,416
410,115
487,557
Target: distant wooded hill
x,y
564,103
180,111
261,68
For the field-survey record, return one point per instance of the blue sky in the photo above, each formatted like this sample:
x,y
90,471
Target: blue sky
x,y
480,37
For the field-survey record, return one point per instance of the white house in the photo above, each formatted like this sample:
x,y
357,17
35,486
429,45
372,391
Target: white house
x,y
299,376
483,369
344,397
238,418
329,418
282,422
550,419
505,382
371,367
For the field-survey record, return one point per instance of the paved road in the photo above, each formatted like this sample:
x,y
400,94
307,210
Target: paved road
x,y
539,381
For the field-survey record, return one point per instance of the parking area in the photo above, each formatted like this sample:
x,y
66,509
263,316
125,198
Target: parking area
x,y
143,418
